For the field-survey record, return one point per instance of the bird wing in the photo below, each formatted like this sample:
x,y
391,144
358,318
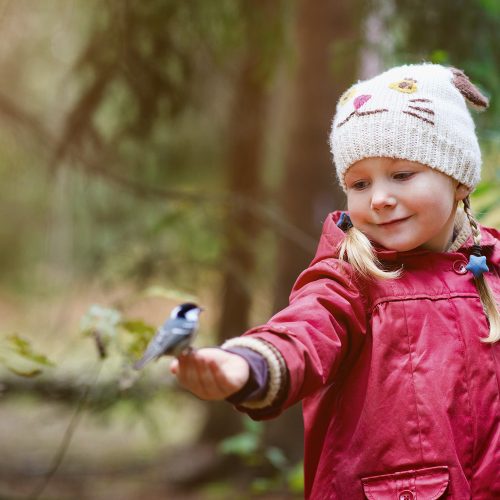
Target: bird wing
x,y
172,333
177,331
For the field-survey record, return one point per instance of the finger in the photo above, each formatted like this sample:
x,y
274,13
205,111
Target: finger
x,y
189,374
207,382
174,366
186,355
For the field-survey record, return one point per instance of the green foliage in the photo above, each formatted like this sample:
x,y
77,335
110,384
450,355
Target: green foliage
x,y
115,334
23,348
296,478
141,335
122,337
170,293
251,447
439,57
103,319
246,445
486,201
486,197
102,324
146,74
141,106
19,357
492,7
461,33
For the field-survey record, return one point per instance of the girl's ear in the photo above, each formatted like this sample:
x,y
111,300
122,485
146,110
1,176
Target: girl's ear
x,y
462,191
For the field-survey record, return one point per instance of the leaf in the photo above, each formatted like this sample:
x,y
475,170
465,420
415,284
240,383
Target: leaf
x,y
19,357
276,457
23,348
439,56
253,426
295,478
242,444
169,293
263,485
142,334
491,6
138,327
102,319
486,203
22,373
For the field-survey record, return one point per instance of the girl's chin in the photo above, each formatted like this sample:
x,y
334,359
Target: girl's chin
x,y
397,246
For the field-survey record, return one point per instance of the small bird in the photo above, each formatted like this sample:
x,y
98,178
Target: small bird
x,y
174,336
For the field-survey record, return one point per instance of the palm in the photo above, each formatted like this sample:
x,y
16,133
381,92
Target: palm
x,y
211,373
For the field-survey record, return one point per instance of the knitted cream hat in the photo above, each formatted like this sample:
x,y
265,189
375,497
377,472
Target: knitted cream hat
x,y
416,113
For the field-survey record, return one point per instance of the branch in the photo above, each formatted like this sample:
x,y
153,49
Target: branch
x,y
268,215
70,391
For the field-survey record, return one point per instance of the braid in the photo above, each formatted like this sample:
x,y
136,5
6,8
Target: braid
x,y
476,233
485,293
357,249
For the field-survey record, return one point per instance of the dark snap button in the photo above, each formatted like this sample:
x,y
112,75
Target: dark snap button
x,y
406,495
459,267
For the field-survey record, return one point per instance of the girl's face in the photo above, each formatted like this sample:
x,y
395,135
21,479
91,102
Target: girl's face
x,y
401,204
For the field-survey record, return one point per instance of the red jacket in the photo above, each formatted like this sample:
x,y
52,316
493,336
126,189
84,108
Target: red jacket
x,y
400,397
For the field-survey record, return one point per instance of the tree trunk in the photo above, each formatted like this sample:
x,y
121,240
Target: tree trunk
x,y
327,55
244,182
241,228
243,172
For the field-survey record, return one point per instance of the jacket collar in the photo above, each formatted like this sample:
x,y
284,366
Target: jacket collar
x,y
332,235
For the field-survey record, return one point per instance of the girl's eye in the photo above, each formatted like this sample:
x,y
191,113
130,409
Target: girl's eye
x,y
359,185
402,176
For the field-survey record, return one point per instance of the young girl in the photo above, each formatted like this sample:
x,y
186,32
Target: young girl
x,y
391,335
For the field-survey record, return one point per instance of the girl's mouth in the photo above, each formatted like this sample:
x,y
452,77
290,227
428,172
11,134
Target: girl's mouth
x,y
394,222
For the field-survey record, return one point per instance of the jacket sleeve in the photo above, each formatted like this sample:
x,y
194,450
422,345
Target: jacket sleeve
x,y
322,329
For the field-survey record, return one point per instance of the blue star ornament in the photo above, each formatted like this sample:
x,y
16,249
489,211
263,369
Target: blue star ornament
x,y
477,265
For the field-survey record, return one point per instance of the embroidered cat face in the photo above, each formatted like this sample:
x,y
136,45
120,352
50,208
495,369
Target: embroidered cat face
x,y
414,112
417,107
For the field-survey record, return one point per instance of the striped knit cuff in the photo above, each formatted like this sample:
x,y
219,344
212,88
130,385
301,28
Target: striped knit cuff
x,y
275,363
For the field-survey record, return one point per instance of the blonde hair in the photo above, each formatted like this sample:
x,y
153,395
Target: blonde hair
x,y
486,295
357,249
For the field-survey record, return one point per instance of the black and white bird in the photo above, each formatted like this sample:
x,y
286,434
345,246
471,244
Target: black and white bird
x,y
174,336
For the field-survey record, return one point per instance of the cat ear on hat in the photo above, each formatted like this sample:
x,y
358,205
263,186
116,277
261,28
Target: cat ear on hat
x,y
471,93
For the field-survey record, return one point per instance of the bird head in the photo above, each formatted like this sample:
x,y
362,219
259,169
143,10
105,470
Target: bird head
x,y
188,310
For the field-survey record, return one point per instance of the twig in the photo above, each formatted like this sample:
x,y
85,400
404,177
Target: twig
x,y
66,440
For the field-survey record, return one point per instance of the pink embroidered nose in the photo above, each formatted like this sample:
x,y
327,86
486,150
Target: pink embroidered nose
x,y
360,100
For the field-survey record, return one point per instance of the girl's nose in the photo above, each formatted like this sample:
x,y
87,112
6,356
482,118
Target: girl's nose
x,y
382,198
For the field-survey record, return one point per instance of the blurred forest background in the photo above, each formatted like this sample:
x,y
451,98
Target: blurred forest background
x,y
159,151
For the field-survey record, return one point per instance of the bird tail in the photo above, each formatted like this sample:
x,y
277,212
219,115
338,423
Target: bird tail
x,y
139,365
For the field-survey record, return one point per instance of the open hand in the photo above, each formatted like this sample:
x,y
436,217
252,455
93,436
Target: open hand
x,y
211,373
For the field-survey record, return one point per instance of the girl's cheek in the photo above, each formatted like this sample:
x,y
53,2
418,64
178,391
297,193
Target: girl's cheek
x,y
355,219
355,209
